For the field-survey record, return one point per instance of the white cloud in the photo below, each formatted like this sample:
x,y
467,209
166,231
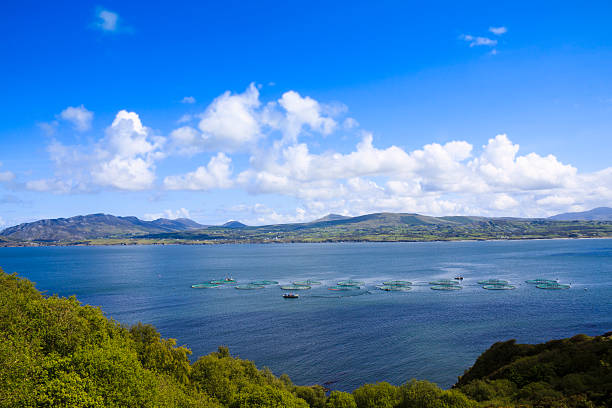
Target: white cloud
x,y
169,214
107,20
217,174
303,111
238,122
49,185
6,176
498,30
79,116
230,122
281,148
478,41
188,99
123,159
2,222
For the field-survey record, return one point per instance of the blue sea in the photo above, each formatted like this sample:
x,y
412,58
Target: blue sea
x,y
325,336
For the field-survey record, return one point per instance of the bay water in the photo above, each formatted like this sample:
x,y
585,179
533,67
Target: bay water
x,y
344,338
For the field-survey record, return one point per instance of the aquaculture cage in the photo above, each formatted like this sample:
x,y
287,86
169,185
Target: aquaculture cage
x,y
295,287
249,286
445,282
394,288
552,286
222,282
342,288
498,286
204,286
350,282
397,283
446,287
493,282
264,282
541,281
307,282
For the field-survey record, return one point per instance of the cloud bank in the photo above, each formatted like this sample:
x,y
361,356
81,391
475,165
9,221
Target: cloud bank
x,y
277,148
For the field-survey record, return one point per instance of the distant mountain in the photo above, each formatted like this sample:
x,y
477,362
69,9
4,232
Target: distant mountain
x,y
332,217
596,214
234,224
380,227
94,226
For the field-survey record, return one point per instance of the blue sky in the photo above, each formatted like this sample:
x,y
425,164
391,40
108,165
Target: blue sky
x,y
286,111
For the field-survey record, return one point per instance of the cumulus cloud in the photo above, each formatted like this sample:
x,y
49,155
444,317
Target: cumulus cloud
x,y
279,148
169,214
127,154
237,122
107,20
303,111
79,116
498,30
6,176
217,174
123,159
230,123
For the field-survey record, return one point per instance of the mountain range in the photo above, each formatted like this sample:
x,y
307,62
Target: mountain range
x,y
596,214
109,229
94,226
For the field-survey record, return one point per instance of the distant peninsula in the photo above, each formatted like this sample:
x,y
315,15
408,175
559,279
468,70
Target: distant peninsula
x,y
104,229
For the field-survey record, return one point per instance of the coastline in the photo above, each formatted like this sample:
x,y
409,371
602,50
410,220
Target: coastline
x,y
138,242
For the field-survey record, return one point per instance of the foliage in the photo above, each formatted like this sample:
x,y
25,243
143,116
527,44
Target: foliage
x,y
574,372
339,399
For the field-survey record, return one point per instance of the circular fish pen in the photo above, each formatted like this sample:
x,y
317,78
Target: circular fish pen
x,y
264,283
493,282
350,282
498,286
307,282
394,288
295,287
222,282
344,288
397,283
541,281
446,287
204,286
445,282
249,286
552,286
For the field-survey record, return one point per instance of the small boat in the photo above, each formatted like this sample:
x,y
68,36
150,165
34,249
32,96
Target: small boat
x,y
291,295
228,278
459,278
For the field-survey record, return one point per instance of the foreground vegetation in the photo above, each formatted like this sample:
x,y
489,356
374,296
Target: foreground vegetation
x,y
55,352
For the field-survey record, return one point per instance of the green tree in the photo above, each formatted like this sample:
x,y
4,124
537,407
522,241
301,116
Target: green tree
x,y
379,395
339,399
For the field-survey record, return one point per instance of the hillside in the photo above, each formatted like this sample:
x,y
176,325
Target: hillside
x,y
56,352
576,371
388,227
104,229
93,226
596,214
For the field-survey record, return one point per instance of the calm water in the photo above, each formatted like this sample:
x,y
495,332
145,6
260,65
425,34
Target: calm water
x,y
376,336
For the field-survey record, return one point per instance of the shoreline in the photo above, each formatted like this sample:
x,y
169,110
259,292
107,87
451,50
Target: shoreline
x,y
27,244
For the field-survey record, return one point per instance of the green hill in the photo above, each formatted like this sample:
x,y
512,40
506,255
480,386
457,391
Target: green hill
x,y
93,226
